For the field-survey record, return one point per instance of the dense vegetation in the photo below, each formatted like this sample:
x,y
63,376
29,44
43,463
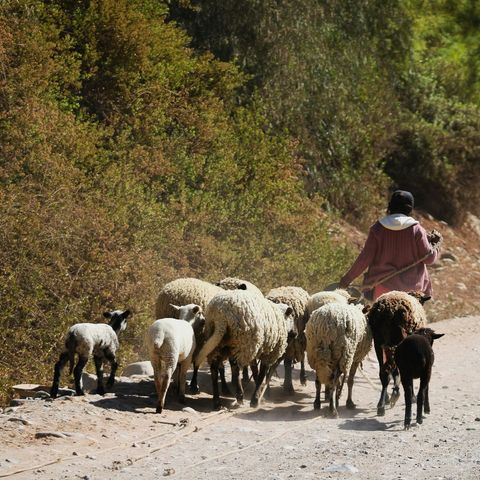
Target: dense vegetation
x,y
145,140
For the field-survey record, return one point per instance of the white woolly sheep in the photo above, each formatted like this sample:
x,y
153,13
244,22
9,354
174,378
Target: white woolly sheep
x,y
392,317
232,283
86,339
171,342
338,339
244,326
297,298
319,299
184,291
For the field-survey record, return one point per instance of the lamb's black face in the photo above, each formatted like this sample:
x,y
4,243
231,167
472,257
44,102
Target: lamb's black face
x,y
118,319
429,333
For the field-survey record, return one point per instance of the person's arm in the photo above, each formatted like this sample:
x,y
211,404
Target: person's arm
x,y
425,247
362,262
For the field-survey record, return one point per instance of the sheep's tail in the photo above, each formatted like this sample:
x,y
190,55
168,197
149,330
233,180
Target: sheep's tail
x,y
159,339
210,345
71,345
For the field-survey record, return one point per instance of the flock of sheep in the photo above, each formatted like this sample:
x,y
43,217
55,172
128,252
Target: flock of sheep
x,y
233,321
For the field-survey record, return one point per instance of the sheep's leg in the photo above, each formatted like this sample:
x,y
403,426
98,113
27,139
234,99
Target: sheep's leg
x,y
327,393
245,375
113,367
158,385
236,382
422,397
59,366
317,403
162,384
384,378
99,369
261,376
216,394
351,375
182,378
193,387
342,378
221,370
77,374
426,401
176,379
408,391
254,369
287,382
303,374
266,386
334,392
396,387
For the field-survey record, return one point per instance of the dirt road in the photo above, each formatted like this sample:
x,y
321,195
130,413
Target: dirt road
x,y
120,437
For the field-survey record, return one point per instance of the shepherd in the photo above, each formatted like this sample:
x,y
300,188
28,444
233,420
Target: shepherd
x,y
396,252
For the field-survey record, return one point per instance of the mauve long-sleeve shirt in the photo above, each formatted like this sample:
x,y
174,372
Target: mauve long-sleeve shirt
x,y
393,243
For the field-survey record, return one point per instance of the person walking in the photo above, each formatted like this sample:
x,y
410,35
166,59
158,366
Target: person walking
x,y
396,252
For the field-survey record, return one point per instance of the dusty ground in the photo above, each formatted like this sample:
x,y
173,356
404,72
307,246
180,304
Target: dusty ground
x,y
119,436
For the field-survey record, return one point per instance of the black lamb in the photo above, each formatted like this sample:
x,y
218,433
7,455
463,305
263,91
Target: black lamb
x,y
414,358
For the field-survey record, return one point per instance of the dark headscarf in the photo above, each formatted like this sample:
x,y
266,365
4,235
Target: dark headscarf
x,y
401,202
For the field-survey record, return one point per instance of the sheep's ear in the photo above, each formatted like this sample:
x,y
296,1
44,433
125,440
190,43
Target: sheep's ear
x,y
437,335
126,313
175,307
107,314
196,309
242,286
425,298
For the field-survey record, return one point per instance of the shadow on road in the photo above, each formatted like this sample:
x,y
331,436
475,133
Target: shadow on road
x,y
368,424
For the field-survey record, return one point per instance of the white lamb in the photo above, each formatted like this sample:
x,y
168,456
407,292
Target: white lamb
x,y
171,342
184,291
338,339
244,326
86,339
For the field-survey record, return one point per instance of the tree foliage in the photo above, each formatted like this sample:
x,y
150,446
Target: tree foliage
x,y
125,161
143,140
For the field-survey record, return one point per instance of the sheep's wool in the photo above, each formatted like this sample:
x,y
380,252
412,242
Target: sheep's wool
x,y
232,283
295,297
249,325
390,302
182,292
337,335
92,338
319,299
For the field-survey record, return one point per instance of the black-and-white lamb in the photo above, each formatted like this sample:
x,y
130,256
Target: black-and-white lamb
x,y
86,339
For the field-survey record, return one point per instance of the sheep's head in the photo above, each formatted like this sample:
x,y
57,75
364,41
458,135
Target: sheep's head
x,y
429,333
191,313
118,319
420,296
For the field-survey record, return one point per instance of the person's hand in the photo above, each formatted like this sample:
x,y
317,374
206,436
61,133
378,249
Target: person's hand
x,y
435,238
